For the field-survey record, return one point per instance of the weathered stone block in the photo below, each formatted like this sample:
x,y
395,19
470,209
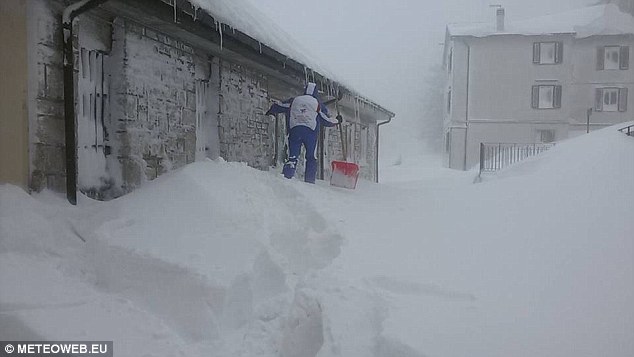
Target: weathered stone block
x,y
49,159
133,172
52,108
53,82
189,117
56,183
50,130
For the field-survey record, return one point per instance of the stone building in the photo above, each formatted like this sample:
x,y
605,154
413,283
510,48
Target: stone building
x,y
152,85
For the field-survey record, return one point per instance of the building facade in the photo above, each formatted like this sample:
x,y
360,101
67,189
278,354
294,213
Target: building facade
x,y
536,81
154,85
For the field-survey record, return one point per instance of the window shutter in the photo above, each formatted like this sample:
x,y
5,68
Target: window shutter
x,y
536,52
557,97
600,58
624,57
535,97
559,52
598,100
622,99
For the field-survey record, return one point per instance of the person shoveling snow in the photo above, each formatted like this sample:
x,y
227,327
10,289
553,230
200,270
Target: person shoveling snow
x,y
305,114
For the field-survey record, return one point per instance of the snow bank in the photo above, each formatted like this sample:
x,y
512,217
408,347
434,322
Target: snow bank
x,y
220,259
535,262
212,256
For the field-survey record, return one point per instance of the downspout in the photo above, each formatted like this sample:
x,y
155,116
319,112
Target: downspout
x,y
376,157
70,123
466,115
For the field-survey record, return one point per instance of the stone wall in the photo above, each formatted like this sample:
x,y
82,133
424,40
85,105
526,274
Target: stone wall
x,y
46,106
246,134
150,104
153,102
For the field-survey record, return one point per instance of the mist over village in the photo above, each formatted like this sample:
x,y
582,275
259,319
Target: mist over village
x,y
290,178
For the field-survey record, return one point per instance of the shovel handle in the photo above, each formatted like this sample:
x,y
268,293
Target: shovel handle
x,y
343,144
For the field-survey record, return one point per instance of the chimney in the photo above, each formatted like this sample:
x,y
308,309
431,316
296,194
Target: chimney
x,y
499,19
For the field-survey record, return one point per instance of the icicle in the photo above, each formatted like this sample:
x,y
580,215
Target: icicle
x,y
175,12
305,75
195,13
260,44
220,36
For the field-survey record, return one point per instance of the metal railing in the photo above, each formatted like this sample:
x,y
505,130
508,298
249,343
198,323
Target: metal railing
x,y
496,156
628,130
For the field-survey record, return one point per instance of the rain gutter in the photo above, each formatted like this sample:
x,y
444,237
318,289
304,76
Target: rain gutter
x,y
378,127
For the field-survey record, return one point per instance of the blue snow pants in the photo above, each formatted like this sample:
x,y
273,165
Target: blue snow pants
x,y
298,136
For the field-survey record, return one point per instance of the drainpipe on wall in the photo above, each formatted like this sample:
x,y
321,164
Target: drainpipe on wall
x,y
378,127
466,115
70,122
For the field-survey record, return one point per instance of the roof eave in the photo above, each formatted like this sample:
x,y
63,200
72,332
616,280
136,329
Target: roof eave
x,y
283,59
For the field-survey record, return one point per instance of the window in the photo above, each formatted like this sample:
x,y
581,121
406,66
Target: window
x,y
548,52
611,100
545,136
613,58
546,97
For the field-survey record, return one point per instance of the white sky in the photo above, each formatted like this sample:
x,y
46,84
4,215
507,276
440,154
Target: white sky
x,y
385,48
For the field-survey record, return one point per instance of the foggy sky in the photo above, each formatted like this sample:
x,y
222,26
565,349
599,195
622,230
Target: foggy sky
x,y
385,48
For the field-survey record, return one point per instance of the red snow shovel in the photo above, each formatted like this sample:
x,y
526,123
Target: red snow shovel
x,y
344,174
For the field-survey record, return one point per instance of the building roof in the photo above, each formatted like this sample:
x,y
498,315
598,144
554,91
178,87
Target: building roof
x,y
583,22
242,16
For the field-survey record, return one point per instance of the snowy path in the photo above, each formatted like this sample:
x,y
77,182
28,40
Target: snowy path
x,y
222,260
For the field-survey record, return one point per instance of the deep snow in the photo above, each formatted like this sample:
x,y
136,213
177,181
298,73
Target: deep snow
x,y
219,259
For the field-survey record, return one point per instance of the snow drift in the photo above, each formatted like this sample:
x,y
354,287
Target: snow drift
x,y
220,259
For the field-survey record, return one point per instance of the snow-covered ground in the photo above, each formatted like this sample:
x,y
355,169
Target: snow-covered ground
x,y
218,259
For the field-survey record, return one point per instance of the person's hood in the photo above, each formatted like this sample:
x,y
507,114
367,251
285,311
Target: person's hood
x,y
311,89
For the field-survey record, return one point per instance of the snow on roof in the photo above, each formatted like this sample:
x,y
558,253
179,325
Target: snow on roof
x,y
583,22
244,17
241,15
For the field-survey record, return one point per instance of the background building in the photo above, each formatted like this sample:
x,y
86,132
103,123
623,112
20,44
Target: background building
x,y
536,81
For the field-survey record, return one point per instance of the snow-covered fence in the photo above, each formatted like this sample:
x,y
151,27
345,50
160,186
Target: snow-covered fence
x,y
496,156
628,130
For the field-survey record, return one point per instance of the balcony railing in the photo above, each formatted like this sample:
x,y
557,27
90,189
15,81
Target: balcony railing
x,y
628,130
496,156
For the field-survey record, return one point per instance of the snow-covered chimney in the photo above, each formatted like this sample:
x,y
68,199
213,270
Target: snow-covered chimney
x,y
499,19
